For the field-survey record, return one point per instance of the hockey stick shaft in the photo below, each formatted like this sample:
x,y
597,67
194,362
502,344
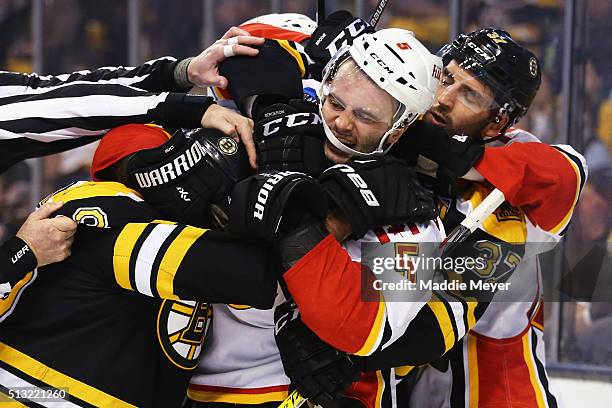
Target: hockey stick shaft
x,y
320,11
380,7
473,221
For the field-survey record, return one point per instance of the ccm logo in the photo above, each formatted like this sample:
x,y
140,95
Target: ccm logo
x,y
289,121
360,183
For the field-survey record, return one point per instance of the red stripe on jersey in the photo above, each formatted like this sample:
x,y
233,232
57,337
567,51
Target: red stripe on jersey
x,y
328,287
414,229
365,390
382,236
503,374
273,33
232,390
534,176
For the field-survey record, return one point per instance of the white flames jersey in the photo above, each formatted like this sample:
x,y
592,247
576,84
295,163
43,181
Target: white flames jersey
x,y
241,363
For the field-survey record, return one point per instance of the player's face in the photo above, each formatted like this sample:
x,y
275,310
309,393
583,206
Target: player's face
x,y
463,104
357,111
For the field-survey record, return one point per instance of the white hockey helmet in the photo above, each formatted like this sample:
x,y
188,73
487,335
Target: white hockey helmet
x,y
400,65
289,21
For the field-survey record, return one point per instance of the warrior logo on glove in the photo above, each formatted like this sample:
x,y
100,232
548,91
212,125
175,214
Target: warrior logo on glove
x,y
264,191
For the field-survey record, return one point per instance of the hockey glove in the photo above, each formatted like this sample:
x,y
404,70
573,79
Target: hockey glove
x,y
454,154
260,202
318,371
290,137
337,30
176,178
377,192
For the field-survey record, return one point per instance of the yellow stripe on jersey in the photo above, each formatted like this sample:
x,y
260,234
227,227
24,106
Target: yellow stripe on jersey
x,y
372,340
6,305
444,321
471,317
172,260
561,225
472,357
90,189
53,378
122,253
533,377
380,389
403,371
236,398
507,229
163,222
239,307
295,54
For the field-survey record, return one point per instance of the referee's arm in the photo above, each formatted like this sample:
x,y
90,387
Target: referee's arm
x,y
74,114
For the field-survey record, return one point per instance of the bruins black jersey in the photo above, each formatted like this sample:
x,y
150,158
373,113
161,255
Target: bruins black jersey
x,y
122,321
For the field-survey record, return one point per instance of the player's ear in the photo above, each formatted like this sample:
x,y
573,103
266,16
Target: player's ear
x,y
396,134
493,128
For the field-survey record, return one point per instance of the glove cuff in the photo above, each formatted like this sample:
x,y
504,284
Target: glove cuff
x,y
293,246
16,260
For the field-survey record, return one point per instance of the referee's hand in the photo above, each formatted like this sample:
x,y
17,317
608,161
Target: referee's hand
x,y
203,70
49,238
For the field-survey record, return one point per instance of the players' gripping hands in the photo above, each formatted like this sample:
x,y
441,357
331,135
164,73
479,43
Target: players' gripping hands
x,y
290,137
376,192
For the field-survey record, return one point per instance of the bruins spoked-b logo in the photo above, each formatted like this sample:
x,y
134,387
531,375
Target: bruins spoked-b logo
x,y
227,145
181,330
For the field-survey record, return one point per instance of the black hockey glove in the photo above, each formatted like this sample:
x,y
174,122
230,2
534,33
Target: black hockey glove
x,y
455,155
260,202
318,371
290,137
177,178
377,192
340,28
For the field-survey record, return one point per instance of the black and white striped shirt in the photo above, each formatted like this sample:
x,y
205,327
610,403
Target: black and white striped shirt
x,y
41,115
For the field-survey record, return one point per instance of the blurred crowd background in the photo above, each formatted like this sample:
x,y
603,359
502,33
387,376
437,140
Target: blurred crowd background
x,y
81,34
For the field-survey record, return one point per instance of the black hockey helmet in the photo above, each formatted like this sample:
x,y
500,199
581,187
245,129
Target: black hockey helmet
x,y
509,69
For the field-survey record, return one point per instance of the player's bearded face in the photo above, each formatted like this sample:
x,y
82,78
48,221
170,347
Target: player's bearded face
x,y
357,111
463,103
